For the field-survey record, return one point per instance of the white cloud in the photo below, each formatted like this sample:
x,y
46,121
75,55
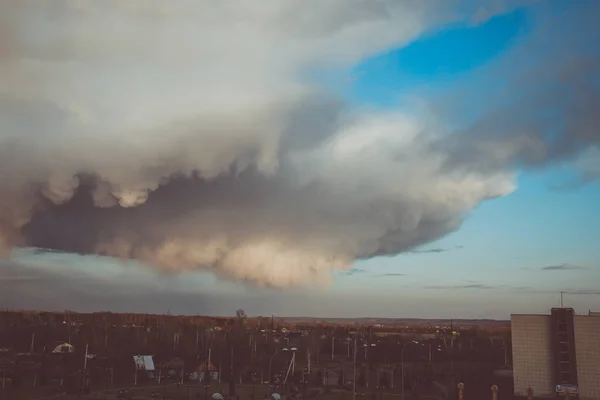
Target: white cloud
x,y
134,92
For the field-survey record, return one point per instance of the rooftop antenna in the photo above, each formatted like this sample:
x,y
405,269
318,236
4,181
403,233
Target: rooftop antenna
x,y
561,300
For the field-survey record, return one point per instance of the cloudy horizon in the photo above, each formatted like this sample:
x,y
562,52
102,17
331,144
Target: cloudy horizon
x,y
372,156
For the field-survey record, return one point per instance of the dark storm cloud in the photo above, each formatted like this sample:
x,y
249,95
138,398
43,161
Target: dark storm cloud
x,y
548,110
122,143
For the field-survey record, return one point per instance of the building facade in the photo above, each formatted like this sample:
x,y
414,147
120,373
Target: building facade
x,y
557,352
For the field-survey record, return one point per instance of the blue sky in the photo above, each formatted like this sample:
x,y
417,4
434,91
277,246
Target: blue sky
x,y
436,60
512,254
506,243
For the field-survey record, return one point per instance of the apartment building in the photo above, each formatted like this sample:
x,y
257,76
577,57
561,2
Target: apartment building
x,y
556,353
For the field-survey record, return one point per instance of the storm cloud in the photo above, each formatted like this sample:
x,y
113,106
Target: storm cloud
x,y
190,135
542,106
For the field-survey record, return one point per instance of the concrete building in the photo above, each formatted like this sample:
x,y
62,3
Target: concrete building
x,y
557,352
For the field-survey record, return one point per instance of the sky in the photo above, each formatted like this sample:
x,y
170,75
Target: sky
x,y
384,158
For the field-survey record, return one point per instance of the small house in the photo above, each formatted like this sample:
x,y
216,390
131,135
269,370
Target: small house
x,y
64,348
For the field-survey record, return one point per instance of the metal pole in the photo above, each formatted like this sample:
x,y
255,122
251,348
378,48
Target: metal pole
x,y
367,363
348,345
84,373
452,377
269,377
402,365
430,353
354,371
270,364
332,346
402,369
289,368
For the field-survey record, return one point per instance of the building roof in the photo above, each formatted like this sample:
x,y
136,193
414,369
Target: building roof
x,y
144,362
203,366
174,363
64,348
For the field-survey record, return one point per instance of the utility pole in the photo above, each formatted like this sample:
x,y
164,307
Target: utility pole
x,y
84,373
231,339
333,345
354,368
452,351
197,338
348,346
85,357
